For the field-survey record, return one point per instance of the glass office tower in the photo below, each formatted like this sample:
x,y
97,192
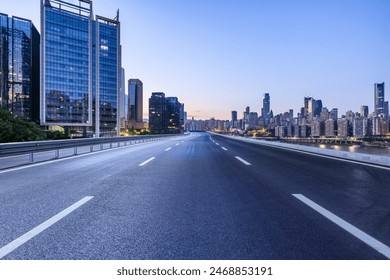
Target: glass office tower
x,y
173,108
157,113
107,68
135,95
80,69
379,92
19,67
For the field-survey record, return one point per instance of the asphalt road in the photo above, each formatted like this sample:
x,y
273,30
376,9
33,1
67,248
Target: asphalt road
x,y
195,197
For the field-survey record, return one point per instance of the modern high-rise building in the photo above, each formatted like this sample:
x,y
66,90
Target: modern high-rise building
x,y
166,114
324,114
157,113
379,95
107,68
253,119
364,111
173,107
359,126
317,127
313,107
80,68
135,111
386,109
19,67
317,108
342,128
330,128
380,126
291,116
306,101
246,114
183,117
266,105
123,101
333,114
234,119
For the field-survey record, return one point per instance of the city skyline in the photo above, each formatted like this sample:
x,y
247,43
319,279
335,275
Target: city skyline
x,y
224,56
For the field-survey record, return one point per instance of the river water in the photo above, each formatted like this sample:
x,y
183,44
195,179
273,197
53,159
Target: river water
x,y
352,148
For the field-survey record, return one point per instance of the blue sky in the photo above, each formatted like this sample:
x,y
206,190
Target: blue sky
x,y
222,55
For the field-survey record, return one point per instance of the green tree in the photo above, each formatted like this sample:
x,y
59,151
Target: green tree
x,y
15,129
55,135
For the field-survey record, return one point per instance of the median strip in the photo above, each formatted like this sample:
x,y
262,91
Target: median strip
x,y
370,241
243,161
38,229
147,161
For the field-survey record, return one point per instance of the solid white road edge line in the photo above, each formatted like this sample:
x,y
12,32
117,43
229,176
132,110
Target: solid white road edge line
x,y
38,229
243,161
146,161
370,241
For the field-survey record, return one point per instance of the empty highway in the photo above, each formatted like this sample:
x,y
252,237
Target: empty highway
x,y
200,196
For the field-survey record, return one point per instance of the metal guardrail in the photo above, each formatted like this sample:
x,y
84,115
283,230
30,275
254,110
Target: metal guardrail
x,y
23,148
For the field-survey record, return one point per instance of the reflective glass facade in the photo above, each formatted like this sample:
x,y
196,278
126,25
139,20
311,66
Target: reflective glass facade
x,y
173,108
157,113
135,100
133,93
66,63
82,60
166,114
19,67
107,79
4,61
379,98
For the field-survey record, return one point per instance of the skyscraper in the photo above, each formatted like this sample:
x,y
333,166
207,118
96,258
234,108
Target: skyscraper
x,y
330,128
379,95
342,128
291,116
317,108
182,117
359,126
135,113
173,107
157,113
313,107
306,105
364,111
107,68
386,109
19,67
234,119
123,101
266,105
333,114
80,68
